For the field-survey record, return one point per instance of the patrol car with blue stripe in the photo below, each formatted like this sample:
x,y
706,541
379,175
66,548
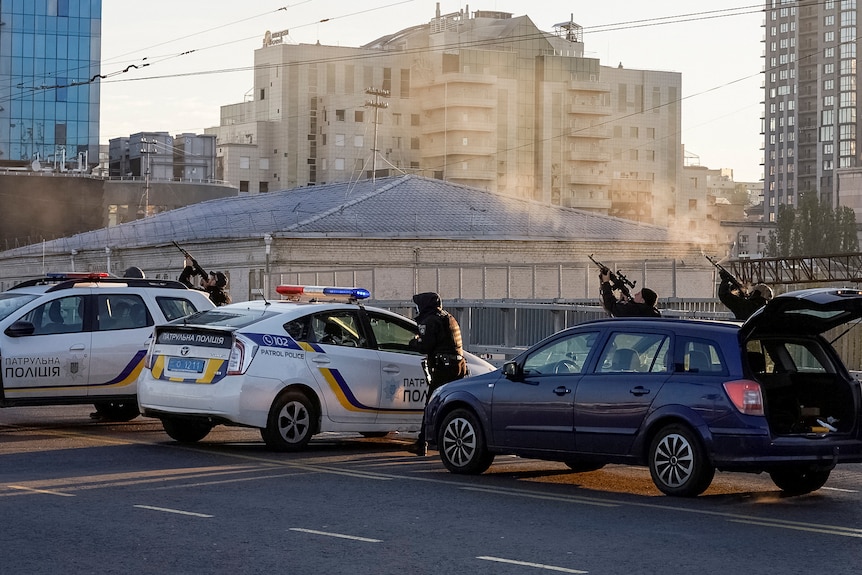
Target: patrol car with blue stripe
x,y
317,361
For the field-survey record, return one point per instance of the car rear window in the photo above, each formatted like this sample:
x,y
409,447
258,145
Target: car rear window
x,y
9,302
234,318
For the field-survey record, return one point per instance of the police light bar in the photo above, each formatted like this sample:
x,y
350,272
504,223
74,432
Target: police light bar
x,y
78,275
325,291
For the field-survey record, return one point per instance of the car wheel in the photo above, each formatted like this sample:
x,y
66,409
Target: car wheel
x,y
186,430
583,466
678,463
116,410
799,481
462,444
289,426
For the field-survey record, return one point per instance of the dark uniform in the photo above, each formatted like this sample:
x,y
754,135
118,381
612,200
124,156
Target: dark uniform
x,y
439,338
213,284
742,305
626,307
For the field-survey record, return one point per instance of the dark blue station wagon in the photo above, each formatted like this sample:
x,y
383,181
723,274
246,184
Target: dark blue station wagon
x,y
683,397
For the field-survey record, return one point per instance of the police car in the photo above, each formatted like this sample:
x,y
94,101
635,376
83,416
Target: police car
x,y
81,338
315,362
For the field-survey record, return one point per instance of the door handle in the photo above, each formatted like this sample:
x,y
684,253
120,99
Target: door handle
x,y
391,369
320,358
639,390
77,347
562,390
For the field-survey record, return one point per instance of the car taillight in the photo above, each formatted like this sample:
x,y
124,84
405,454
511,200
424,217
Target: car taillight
x,y
241,354
746,396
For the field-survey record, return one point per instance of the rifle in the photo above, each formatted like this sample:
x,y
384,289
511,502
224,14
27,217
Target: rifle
x,y
725,274
197,267
617,280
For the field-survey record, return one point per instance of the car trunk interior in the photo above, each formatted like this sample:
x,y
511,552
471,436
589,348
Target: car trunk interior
x,y
799,403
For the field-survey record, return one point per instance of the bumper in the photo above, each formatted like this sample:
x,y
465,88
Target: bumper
x,y
760,453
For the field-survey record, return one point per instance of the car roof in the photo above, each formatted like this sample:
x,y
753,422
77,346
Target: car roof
x,y
289,306
806,312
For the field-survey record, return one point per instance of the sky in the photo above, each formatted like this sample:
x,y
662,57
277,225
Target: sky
x,y
170,65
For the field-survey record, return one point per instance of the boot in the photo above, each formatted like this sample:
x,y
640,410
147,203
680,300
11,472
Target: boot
x,y
419,448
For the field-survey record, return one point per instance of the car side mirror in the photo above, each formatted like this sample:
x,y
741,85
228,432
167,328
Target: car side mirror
x,y
512,371
20,329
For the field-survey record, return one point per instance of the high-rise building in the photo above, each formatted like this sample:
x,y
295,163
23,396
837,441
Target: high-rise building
x,y
50,52
811,89
482,99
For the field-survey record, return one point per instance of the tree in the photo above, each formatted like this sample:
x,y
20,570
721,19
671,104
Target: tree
x,y
812,228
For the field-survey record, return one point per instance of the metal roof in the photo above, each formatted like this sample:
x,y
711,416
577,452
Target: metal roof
x,y
401,206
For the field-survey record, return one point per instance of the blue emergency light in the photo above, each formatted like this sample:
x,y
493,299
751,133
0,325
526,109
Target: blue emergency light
x,y
329,291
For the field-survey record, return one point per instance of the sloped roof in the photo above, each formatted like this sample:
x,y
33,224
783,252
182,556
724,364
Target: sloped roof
x,y
401,206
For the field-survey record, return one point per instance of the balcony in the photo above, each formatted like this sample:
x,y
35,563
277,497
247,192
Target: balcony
x,y
589,156
594,132
591,204
589,179
585,86
585,108
454,152
453,125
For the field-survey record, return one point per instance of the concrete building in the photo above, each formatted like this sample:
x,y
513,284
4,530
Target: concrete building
x,y
486,100
811,91
50,53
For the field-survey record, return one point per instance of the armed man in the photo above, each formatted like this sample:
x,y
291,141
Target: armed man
x,y
642,304
742,302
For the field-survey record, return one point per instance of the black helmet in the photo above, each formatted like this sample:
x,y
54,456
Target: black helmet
x,y
134,272
221,279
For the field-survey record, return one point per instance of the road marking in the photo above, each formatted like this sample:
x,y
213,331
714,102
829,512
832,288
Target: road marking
x,y
177,511
839,489
829,530
45,491
527,564
533,495
339,535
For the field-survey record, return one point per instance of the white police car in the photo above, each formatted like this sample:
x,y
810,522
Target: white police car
x,y
81,338
291,368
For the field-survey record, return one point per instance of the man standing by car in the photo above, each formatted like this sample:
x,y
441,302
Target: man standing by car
x,y
641,305
439,338
742,304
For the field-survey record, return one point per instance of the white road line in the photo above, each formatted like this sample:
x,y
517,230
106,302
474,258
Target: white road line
x,y
339,535
45,491
839,489
536,565
177,511
533,495
802,527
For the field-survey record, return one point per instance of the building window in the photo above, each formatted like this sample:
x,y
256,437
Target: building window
x,y
262,94
339,115
414,143
358,141
264,163
243,186
339,139
263,187
633,132
339,163
414,119
244,162
359,116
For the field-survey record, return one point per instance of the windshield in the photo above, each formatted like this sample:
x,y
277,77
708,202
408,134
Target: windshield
x,y
9,302
234,318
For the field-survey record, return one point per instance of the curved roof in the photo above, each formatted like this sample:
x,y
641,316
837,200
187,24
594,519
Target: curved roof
x,y
400,206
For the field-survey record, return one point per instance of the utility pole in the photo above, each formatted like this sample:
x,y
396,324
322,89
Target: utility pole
x,y
377,105
147,150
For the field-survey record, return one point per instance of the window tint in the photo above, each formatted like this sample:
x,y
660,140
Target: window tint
x,y
338,328
64,315
392,335
11,301
781,356
121,311
565,355
635,352
174,308
702,356
298,329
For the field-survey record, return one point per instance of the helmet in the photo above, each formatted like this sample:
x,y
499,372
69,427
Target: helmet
x,y
134,272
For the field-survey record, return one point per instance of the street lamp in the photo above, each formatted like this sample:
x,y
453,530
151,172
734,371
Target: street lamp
x,y
267,240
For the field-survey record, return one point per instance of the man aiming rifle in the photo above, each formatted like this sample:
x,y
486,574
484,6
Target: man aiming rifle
x,y
214,283
641,304
742,302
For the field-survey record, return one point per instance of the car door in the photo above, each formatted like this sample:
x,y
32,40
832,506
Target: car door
x,y
53,360
613,399
535,412
344,366
122,326
403,387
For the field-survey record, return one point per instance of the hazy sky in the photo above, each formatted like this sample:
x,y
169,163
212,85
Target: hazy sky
x,y
201,53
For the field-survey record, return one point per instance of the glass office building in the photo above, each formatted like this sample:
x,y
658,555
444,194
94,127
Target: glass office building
x,y
50,53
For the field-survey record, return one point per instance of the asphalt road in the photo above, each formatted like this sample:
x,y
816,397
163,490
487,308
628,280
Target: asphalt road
x,y
80,496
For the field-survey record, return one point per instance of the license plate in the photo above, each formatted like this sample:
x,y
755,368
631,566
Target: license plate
x,y
186,365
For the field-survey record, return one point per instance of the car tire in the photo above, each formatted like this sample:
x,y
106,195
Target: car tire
x,y
583,466
116,410
186,430
462,444
678,463
798,480
290,424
